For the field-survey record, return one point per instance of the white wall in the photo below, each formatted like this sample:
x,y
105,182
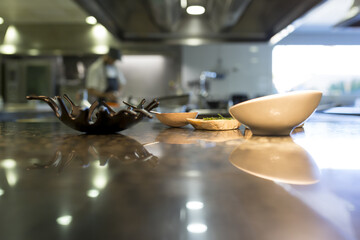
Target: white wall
x,y
149,76
248,67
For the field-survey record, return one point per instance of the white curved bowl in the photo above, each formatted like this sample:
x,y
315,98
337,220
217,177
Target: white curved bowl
x,y
276,114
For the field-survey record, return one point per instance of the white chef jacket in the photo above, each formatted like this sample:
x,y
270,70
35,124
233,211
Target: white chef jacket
x,y
99,72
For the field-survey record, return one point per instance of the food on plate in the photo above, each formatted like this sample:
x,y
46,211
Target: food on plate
x,y
217,123
220,117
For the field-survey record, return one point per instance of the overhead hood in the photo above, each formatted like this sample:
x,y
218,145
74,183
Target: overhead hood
x,y
353,17
224,20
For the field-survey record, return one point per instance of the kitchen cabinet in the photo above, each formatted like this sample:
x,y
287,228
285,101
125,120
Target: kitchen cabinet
x,y
28,77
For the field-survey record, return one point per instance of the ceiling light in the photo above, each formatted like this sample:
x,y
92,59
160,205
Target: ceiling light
x,y
91,20
64,220
197,228
195,10
11,35
93,193
34,52
8,163
100,49
193,41
1,20
282,34
11,178
100,181
194,205
99,32
183,3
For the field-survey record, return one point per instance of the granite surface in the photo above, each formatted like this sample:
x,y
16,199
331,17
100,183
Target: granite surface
x,y
156,182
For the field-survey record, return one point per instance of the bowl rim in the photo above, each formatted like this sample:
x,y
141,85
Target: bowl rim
x,y
178,113
276,96
212,120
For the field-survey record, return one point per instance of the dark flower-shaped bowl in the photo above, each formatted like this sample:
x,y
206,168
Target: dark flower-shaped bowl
x,y
99,118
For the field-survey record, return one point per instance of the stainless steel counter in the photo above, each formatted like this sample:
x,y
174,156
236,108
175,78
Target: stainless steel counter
x,y
155,182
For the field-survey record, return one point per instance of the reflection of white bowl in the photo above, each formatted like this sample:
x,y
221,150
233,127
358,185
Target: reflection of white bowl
x,y
277,159
175,119
276,114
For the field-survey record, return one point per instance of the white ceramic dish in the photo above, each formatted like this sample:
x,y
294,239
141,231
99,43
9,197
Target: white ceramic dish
x,y
175,119
276,114
214,125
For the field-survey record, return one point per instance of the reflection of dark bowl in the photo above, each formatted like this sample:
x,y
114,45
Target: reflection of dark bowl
x,y
102,148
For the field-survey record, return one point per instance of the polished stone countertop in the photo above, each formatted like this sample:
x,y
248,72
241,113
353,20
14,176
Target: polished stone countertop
x,y
155,182
32,110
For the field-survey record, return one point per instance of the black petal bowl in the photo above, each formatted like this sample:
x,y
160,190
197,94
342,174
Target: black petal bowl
x,y
104,121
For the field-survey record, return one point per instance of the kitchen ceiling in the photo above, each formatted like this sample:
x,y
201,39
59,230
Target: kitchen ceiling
x,y
328,16
352,19
224,20
41,12
166,20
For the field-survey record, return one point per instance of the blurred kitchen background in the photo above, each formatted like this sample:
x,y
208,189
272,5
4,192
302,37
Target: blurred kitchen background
x,y
230,51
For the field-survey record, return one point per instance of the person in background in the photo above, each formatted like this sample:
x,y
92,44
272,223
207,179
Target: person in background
x,y
104,79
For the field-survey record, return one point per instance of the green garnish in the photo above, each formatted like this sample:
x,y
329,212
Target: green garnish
x,y
218,118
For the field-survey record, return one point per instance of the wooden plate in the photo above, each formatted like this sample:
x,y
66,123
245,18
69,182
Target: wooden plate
x,y
215,125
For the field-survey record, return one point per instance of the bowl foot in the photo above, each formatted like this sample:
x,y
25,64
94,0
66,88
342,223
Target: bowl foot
x,y
271,132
